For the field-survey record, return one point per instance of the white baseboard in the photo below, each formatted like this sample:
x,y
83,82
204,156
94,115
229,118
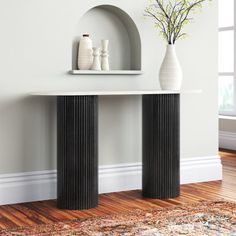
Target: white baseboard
x,y
41,185
227,140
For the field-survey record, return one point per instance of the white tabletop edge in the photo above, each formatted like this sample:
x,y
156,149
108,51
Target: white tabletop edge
x,y
111,93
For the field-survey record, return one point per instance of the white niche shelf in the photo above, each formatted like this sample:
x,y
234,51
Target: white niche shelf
x,y
111,72
116,25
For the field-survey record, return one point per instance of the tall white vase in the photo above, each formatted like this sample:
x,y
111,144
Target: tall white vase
x,y
170,75
85,54
105,55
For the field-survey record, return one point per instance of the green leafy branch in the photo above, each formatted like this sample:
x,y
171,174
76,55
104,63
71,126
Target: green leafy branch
x,y
170,18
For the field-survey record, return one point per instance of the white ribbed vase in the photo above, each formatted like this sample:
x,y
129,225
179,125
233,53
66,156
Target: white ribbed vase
x,y
170,74
85,54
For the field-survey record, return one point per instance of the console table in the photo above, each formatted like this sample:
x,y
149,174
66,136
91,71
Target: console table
x,y
77,145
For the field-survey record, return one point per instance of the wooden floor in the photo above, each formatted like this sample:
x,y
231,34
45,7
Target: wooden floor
x,y
46,212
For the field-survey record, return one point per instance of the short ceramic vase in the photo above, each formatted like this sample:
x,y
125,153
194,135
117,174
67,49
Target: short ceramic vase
x,y
96,59
170,75
85,54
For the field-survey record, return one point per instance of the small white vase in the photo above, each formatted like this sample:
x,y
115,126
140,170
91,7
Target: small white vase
x,y
85,54
170,75
96,59
104,56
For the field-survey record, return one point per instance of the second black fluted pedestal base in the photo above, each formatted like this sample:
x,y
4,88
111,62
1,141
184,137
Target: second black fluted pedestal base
x,y
161,137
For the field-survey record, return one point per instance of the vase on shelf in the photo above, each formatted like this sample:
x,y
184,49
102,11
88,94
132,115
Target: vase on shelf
x,y
85,54
170,75
104,55
96,59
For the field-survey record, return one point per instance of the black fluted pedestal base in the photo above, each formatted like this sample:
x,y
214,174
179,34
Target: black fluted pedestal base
x,y
161,137
77,152
77,149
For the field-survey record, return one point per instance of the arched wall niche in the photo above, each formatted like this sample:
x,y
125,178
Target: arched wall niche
x,y
111,22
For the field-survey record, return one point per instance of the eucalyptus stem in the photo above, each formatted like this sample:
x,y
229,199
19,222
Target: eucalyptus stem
x,y
171,17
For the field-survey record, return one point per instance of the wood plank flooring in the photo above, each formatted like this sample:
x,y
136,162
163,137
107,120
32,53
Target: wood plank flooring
x,y
45,212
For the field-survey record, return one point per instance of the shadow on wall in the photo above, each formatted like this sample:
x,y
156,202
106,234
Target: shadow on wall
x,y
120,129
27,134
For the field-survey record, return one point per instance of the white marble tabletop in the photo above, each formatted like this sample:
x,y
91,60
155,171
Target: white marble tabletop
x,y
110,92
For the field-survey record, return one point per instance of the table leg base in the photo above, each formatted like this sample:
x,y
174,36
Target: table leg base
x,y
161,137
77,163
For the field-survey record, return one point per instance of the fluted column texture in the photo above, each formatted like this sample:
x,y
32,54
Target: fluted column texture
x,y
77,152
161,146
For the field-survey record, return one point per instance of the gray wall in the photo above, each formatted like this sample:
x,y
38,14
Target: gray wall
x,y
35,54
